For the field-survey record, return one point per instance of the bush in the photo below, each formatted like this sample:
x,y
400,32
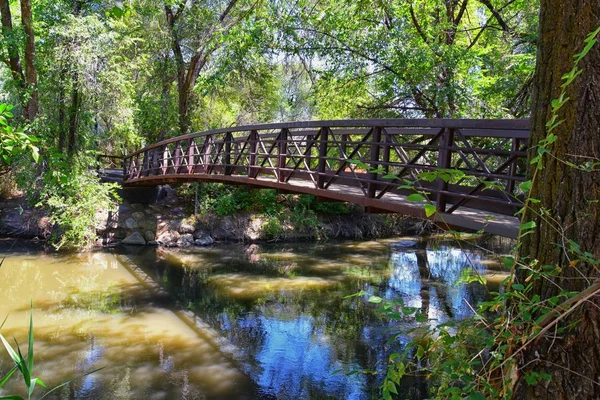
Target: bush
x,y
71,193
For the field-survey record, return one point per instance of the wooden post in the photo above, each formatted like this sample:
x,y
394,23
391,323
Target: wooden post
x,y
323,133
178,151
282,157
146,163
444,161
165,159
227,156
375,147
512,169
252,168
206,152
191,158
155,166
386,152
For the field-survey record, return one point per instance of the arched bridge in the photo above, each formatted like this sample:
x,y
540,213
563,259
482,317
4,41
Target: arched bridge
x,y
376,163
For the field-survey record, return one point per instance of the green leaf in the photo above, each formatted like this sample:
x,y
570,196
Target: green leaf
x,y
10,350
508,261
416,198
518,287
8,376
30,342
420,352
35,153
430,209
11,397
525,186
528,225
375,299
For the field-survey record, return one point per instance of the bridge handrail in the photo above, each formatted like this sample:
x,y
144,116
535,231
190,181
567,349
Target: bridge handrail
x,y
489,125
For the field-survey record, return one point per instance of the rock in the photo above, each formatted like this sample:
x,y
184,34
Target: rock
x,y
147,224
186,240
135,238
199,234
137,206
204,241
138,215
131,223
153,243
149,235
123,208
186,227
168,238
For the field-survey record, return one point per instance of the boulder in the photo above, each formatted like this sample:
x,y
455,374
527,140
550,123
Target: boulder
x,y
149,236
147,224
186,240
168,238
135,238
131,223
204,241
138,215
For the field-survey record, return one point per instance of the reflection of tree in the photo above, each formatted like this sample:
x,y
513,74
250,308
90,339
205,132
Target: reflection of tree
x,y
425,274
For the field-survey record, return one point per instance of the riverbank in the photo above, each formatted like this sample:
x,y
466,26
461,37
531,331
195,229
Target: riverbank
x,y
170,222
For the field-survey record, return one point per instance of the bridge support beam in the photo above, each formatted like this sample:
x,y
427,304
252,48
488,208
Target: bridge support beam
x,y
321,166
375,145
444,161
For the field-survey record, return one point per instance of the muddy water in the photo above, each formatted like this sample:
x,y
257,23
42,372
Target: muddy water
x,y
231,321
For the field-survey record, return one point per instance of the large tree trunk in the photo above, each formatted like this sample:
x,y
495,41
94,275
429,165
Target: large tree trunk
x,y
571,198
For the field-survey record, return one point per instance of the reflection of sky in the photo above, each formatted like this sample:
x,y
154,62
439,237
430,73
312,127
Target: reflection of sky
x,y
295,359
446,264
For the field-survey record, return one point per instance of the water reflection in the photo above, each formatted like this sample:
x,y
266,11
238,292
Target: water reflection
x,y
232,321
283,306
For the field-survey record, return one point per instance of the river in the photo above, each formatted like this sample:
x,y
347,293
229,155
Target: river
x,y
232,321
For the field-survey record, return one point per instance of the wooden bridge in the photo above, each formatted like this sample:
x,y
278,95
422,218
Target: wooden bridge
x,y
376,163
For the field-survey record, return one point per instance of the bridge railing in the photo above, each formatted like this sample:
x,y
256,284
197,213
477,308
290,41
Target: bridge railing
x,y
379,157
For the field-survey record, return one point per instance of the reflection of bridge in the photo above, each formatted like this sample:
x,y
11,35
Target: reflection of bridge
x,y
376,163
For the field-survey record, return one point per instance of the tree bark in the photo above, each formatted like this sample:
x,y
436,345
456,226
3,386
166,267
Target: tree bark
x,y
570,197
31,106
187,73
14,60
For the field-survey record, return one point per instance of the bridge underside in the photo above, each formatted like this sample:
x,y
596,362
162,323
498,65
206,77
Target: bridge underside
x,y
464,218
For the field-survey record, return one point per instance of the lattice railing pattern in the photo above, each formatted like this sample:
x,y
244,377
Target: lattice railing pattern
x,y
360,153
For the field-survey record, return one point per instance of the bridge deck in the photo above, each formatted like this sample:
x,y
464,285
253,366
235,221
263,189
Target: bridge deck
x,y
464,217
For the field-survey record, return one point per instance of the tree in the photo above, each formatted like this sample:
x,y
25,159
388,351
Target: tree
x,y
567,210
26,82
454,58
210,26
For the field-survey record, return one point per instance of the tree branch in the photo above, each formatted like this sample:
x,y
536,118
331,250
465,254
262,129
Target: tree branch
x,y
417,26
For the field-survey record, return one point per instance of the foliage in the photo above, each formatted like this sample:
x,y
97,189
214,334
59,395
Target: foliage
x,y
13,141
72,194
479,358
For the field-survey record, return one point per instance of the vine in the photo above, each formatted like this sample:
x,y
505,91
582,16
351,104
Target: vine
x,y
478,358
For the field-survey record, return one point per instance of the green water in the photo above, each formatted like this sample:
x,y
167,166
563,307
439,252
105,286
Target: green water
x,y
230,321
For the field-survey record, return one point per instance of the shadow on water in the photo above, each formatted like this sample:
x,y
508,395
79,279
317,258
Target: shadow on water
x,y
232,321
283,306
